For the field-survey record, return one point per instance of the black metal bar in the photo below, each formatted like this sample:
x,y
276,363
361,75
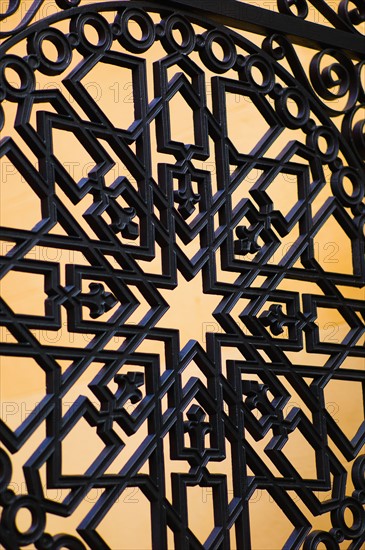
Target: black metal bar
x,y
244,16
124,239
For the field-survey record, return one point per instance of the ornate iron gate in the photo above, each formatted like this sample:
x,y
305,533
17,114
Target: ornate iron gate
x,y
239,208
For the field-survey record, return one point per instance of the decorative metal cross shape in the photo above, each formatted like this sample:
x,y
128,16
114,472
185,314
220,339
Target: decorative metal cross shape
x,y
144,142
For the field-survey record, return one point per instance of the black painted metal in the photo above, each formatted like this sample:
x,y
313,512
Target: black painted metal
x,y
228,403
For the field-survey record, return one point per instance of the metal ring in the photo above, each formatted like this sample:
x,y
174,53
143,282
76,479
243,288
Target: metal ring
x,y
64,52
25,73
126,39
208,57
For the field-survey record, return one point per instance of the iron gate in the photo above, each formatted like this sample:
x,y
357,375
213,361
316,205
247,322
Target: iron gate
x,y
237,209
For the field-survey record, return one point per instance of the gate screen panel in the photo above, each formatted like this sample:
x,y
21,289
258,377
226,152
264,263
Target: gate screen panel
x,y
182,275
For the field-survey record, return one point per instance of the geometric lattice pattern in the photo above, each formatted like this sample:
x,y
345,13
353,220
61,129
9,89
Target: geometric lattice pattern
x,y
241,214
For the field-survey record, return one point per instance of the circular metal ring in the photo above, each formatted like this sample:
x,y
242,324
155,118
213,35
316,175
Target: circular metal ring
x,y
320,537
100,24
338,189
24,72
208,57
290,120
266,70
331,141
38,521
126,39
64,52
358,512
181,24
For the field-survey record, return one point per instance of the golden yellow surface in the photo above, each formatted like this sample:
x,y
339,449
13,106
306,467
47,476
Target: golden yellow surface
x,y
22,383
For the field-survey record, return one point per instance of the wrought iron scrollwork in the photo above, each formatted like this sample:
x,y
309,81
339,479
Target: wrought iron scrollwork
x,y
120,225
346,16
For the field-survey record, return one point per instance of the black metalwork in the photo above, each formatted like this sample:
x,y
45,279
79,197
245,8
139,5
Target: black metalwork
x,y
141,213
